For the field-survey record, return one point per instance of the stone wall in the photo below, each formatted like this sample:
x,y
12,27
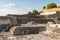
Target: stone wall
x,y
23,19
4,20
28,30
34,20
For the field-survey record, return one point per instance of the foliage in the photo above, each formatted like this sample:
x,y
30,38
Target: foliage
x,y
51,5
34,12
44,7
29,12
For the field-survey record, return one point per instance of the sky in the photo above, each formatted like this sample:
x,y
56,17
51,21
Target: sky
x,y
23,6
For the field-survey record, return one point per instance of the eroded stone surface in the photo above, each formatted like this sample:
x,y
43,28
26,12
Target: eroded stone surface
x,y
39,36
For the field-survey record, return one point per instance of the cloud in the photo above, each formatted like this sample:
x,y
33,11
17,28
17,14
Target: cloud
x,y
11,9
5,11
8,5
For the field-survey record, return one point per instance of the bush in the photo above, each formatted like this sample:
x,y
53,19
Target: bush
x,y
51,5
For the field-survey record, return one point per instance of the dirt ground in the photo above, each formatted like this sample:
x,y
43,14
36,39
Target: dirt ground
x,y
8,36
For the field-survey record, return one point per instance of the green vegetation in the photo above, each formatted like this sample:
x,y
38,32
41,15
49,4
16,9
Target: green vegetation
x,y
34,12
44,7
51,5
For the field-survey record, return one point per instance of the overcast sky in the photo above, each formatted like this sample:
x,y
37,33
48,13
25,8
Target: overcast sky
x,y
23,6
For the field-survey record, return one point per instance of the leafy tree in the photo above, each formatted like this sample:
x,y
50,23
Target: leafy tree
x,y
29,13
34,12
44,7
51,5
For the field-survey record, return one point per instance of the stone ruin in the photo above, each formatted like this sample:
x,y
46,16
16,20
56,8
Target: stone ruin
x,y
19,30
25,26
9,21
51,27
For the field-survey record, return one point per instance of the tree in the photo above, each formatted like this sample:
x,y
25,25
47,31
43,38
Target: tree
x,y
34,12
44,7
29,13
51,5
